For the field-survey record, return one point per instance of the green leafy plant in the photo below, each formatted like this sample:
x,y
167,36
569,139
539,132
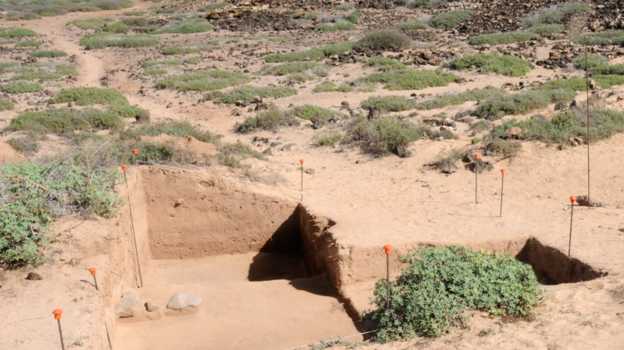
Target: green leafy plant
x,y
459,98
383,136
6,104
297,67
412,25
247,94
383,41
501,38
14,32
608,37
48,53
506,65
21,87
447,20
554,14
430,295
331,27
185,26
271,119
388,103
446,160
102,40
410,79
327,138
328,86
203,80
29,43
521,103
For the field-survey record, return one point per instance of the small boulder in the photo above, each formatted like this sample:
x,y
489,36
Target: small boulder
x,y
33,276
181,300
128,305
514,132
150,306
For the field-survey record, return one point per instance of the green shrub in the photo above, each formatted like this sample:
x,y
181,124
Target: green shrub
x,y
185,26
172,128
450,19
21,87
412,25
411,4
383,136
388,103
432,292
313,113
592,61
608,81
383,41
6,104
353,17
570,84
161,62
521,103
271,119
446,160
27,209
87,96
29,43
247,94
25,145
13,32
300,78
547,29
329,86
214,6
337,49
28,9
554,14
613,69
315,54
411,79
102,40
135,13
384,63
506,65
604,123
331,27
203,80
65,121
231,154
127,111
48,53
327,138
178,50
119,27
501,38
608,37
459,98
504,148
296,67
345,7
50,70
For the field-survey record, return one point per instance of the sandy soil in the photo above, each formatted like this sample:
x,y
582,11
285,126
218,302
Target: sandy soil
x,y
372,201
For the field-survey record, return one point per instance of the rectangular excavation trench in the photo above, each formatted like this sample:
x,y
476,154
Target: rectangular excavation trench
x,y
257,260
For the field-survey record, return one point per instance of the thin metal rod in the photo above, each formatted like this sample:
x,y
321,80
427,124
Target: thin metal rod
x,y
96,285
570,241
476,179
302,182
502,189
388,281
110,344
61,334
136,248
587,112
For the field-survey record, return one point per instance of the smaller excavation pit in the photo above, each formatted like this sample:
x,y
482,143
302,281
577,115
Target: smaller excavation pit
x,y
256,259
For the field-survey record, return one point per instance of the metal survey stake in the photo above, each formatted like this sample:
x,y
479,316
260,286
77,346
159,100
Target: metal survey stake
x,y
93,271
388,250
301,161
476,169
57,316
136,248
502,189
136,156
572,200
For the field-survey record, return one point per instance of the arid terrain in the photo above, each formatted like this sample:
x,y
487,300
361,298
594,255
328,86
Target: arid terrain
x,y
374,108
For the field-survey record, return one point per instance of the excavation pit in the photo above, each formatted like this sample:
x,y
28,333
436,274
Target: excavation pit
x,y
256,259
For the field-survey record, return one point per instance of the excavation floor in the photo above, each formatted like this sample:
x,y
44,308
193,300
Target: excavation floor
x,y
236,313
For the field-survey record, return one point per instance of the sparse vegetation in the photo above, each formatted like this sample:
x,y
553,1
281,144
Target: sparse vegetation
x,y
388,103
102,40
383,41
315,54
203,80
214,6
504,148
87,96
91,23
501,38
28,43
25,145
6,104
459,98
48,53
329,86
178,50
246,94
438,284
447,20
570,84
506,65
34,9
608,81
331,27
21,87
446,160
14,32
172,128
383,136
411,4
521,103
412,25
554,14
297,67
327,138
65,121
271,119
384,63
185,26
411,79
353,17
608,37
547,29
593,61
312,113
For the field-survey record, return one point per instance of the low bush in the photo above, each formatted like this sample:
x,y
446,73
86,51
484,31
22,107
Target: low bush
x,y
313,113
503,148
430,295
178,50
446,160
64,121
462,97
604,123
447,20
547,29
608,81
608,37
6,104
337,49
214,6
411,4
185,26
383,41
48,53
506,65
296,67
25,145
410,79
92,23
128,111
570,84
271,119
331,27
353,17
33,9
103,40
13,32
501,38
327,138
50,70
315,54
172,128
384,63
203,80
29,43
388,103
87,96
554,14
21,87
329,86
521,103
593,61
383,136
246,94
119,27
412,25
